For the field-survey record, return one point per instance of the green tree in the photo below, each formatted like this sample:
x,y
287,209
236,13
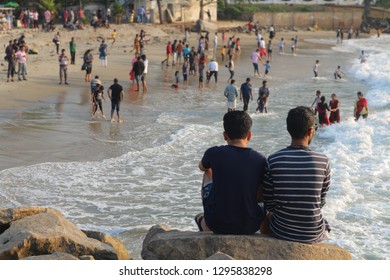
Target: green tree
x,y
117,11
50,5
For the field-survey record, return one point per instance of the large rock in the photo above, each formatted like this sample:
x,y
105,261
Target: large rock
x,y
116,244
8,215
165,244
46,233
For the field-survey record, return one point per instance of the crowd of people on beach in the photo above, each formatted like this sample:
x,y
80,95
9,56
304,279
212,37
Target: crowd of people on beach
x,y
190,61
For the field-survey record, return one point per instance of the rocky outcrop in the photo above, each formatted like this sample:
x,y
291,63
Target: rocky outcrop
x,y
116,244
162,243
28,232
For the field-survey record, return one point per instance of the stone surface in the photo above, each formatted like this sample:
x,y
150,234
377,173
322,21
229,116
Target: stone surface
x,y
116,244
46,233
8,215
219,256
54,256
165,244
86,258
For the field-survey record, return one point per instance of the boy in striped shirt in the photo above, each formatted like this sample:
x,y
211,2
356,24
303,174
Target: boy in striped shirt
x,y
296,183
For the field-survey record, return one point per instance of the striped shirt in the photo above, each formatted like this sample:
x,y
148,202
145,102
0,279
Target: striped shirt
x,y
295,186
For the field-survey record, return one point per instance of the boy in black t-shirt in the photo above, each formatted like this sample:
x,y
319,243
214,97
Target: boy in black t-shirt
x,y
233,175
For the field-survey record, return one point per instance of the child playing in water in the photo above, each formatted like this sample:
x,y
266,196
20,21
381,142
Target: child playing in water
x,y
177,80
316,101
338,72
315,68
281,46
267,68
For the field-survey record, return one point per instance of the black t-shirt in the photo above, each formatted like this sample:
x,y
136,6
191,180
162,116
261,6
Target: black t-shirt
x,y
116,90
139,67
231,206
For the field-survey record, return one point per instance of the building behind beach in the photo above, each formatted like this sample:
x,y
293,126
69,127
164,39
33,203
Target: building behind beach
x,y
174,10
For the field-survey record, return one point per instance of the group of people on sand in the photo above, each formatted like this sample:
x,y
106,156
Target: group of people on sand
x,y
16,53
292,191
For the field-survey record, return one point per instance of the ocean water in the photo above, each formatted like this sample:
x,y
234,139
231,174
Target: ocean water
x,y
123,179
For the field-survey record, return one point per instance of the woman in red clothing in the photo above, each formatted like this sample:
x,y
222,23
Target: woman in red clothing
x,y
361,107
322,108
334,110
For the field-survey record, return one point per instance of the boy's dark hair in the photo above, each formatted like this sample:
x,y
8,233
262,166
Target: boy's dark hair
x,y
237,124
299,121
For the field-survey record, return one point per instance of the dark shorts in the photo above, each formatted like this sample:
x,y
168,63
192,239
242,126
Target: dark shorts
x,y
138,78
185,77
255,66
115,104
88,69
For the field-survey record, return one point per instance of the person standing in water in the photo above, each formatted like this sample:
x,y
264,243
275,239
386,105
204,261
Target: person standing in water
x,y
115,93
63,60
361,107
334,105
246,93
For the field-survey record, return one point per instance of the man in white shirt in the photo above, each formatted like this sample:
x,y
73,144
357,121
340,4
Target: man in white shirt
x,y
258,38
212,69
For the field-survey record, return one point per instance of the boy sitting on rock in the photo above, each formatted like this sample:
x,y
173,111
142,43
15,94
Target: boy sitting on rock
x,y
233,175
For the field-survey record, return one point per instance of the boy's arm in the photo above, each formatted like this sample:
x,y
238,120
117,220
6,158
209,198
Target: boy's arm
x,y
268,190
201,167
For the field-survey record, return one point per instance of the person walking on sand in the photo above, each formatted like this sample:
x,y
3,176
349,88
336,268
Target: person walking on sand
x,y
231,95
72,47
63,59
246,93
115,93
103,52
361,107
10,58
21,59
88,60
56,41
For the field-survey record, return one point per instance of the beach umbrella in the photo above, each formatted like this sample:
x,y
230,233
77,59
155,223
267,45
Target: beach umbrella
x,y
11,5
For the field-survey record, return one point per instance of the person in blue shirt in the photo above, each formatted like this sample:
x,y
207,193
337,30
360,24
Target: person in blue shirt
x,y
232,181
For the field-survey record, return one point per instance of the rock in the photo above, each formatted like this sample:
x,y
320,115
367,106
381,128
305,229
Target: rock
x,y
164,244
116,244
8,215
220,256
46,233
86,258
54,256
